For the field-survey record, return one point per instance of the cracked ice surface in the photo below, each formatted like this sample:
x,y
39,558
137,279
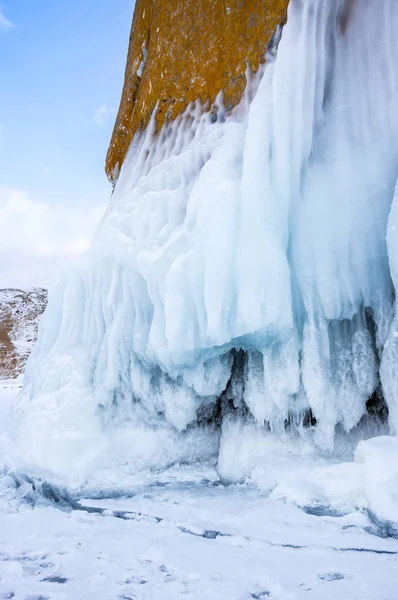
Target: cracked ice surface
x,y
181,533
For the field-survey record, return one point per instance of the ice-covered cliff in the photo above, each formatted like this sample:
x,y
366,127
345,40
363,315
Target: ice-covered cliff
x,y
240,291
181,51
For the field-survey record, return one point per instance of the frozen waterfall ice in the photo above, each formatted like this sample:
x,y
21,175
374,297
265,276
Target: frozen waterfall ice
x,y
241,275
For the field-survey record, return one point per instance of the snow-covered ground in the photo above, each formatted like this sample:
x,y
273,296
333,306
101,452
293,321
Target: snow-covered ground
x,y
182,533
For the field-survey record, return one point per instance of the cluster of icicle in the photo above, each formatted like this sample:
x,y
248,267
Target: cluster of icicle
x,y
242,263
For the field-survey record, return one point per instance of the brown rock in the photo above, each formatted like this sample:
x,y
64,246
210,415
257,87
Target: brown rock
x,y
182,50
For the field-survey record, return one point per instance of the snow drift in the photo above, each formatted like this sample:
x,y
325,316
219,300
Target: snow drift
x,y
241,272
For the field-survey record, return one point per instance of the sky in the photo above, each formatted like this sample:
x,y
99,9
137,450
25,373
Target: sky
x,y
61,72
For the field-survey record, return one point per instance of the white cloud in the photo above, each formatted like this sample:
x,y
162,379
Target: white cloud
x,y
38,240
103,115
4,22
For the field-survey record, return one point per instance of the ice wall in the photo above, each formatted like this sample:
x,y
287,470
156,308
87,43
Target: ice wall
x,y
241,270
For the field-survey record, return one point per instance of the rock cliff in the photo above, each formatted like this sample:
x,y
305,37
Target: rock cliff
x,y
239,300
19,318
180,51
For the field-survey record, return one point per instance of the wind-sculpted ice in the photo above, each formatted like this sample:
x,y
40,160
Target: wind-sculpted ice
x,y
241,270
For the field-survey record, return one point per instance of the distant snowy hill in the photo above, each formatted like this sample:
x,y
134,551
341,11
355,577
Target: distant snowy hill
x,y
19,317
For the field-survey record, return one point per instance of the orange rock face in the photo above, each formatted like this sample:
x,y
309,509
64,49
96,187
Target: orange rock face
x,y
182,50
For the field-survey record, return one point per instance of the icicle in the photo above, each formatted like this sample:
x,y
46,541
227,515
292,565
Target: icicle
x,y
261,235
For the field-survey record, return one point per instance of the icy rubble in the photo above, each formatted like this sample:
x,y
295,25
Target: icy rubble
x,y
240,273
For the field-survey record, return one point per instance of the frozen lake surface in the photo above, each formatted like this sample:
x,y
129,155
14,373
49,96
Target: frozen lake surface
x,y
182,533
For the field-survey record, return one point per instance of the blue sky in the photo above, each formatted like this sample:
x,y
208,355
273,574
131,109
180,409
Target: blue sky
x,y
61,69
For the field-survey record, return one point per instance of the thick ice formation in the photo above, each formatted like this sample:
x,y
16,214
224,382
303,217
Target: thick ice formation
x,y
241,258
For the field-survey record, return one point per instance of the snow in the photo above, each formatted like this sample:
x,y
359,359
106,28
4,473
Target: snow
x,y
183,533
238,298
378,460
